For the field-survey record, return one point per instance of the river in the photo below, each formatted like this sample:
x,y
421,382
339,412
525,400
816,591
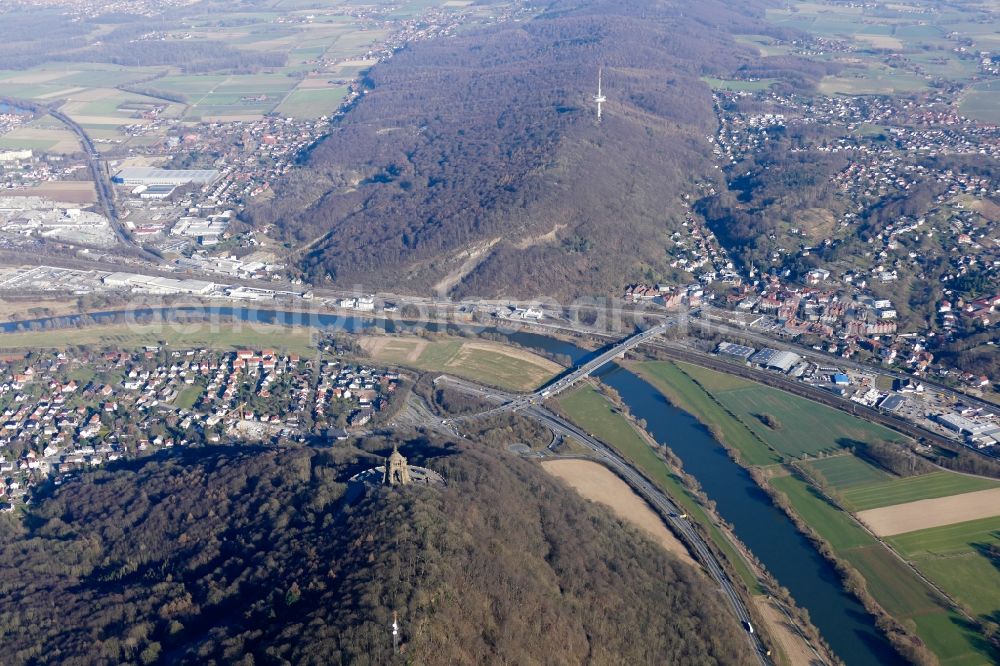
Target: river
x,y
764,528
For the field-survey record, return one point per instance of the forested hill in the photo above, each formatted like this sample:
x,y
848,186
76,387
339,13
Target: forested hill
x,y
228,556
487,143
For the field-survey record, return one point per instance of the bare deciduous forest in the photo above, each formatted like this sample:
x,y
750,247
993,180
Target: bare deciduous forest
x,y
490,139
226,555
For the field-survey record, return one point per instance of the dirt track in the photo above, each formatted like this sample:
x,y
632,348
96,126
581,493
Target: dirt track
x,y
922,514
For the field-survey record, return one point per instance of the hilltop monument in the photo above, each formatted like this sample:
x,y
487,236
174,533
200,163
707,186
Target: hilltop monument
x,y
397,471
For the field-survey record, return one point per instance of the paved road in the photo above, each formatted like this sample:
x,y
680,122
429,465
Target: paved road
x,y
721,324
592,365
658,499
530,406
102,184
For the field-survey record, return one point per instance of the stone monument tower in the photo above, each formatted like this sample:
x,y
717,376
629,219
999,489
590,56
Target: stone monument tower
x,y
397,472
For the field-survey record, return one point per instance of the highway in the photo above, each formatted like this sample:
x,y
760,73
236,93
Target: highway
x,y
531,407
663,504
102,184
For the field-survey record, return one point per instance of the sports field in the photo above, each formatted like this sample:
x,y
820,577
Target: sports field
x,y
912,488
487,362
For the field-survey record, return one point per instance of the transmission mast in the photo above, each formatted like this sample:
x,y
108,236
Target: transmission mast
x,y
395,633
599,97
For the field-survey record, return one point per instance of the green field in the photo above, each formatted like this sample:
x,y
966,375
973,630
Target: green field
x,y
26,144
481,361
807,428
590,410
912,488
680,390
983,102
957,558
312,103
872,81
890,581
188,396
847,471
834,525
229,336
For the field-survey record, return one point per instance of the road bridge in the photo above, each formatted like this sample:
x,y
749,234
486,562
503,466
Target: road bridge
x,y
588,368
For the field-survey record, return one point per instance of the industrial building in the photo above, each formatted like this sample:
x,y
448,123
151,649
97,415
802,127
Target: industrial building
x,y
731,350
775,359
893,403
154,191
157,285
207,231
151,176
982,434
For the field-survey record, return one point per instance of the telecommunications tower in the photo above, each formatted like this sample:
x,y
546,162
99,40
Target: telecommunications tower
x,y
599,97
395,633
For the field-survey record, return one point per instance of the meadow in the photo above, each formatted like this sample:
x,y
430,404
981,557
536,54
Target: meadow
x,y
291,339
731,405
738,85
909,489
489,363
684,393
957,558
982,102
806,428
590,410
846,471
889,580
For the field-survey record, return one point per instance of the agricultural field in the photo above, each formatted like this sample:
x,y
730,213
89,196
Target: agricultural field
x,y
730,404
312,103
893,50
931,513
235,336
597,483
874,80
764,45
959,558
304,58
889,580
982,102
912,488
737,85
490,363
683,392
847,471
806,428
